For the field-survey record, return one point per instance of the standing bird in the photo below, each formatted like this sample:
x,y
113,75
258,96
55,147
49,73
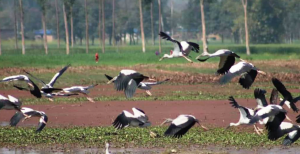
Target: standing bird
x,y
245,115
247,71
79,89
10,103
181,49
290,101
125,119
143,85
52,81
227,59
33,88
107,148
128,81
181,125
27,113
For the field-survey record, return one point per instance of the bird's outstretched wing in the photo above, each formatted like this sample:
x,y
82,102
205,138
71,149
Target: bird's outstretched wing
x,y
274,96
42,123
57,75
16,118
167,37
225,64
259,95
247,79
285,93
130,88
35,78
243,110
121,121
195,46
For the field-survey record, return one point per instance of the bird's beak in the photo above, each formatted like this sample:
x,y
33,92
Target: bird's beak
x,y
110,81
262,72
148,92
198,57
31,85
227,127
166,120
205,128
150,79
243,60
287,118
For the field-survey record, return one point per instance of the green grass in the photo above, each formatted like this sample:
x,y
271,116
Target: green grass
x,y
137,137
131,55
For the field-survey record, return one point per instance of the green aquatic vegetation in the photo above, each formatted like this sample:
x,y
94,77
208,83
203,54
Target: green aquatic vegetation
x,y
130,137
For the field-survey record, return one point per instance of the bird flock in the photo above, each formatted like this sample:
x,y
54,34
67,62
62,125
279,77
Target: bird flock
x,y
271,115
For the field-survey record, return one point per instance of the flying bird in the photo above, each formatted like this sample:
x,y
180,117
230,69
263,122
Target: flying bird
x,y
27,113
290,100
227,59
267,113
181,125
33,88
10,103
52,81
125,119
143,85
128,81
247,71
245,115
79,89
181,49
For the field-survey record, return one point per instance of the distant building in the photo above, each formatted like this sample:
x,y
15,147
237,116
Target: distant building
x,y
39,34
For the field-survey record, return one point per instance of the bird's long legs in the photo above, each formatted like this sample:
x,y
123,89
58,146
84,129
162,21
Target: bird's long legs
x,y
187,59
161,58
148,92
89,98
257,130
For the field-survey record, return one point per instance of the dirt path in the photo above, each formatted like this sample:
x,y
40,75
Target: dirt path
x,y
212,113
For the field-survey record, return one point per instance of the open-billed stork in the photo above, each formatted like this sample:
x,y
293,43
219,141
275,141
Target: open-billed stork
x,y
137,119
128,81
143,85
247,71
181,125
245,115
227,59
33,88
181,49
10,103
107,148
80,89
27,113
290,100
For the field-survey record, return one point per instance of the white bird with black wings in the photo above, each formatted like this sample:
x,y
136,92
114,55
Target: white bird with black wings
x,y
247,71
27,113
181,49
125,119
10,103
128,81
79,89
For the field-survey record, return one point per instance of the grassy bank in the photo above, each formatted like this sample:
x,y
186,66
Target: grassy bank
x,y
130,137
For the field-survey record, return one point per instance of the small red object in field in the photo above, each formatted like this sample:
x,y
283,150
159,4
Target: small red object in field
x,y
96,57
171,52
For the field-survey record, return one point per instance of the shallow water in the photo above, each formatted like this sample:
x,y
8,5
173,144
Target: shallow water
x,y
194,150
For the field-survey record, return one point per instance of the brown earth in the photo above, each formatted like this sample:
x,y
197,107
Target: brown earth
x,y
217,113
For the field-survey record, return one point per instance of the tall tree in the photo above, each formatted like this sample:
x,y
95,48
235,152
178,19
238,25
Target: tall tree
x,y
15,25
72,29
142,26
103,27
152,30
99,22
66,28
57,24
244,2
42,4
159,25
172,11
22,26
203,26
86,28
0,43
113,22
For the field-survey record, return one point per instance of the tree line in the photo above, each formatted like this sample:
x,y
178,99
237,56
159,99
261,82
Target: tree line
x,y
75,21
